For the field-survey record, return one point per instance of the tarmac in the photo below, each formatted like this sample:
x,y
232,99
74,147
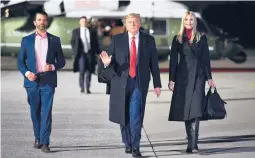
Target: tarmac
x,y
81,129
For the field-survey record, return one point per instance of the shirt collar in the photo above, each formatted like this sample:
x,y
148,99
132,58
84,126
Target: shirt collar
x,y
83,27
130,36
43,35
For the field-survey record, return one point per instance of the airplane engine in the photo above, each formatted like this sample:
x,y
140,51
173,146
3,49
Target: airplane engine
x,y
54,7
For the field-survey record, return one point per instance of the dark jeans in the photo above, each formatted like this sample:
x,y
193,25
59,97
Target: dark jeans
x,y
131,133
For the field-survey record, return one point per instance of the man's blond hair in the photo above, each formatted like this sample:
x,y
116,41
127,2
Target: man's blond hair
x,y
136,15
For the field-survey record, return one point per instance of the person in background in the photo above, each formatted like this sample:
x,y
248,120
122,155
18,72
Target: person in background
x,y
85,45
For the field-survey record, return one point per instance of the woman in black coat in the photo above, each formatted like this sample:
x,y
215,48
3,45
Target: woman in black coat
x,y
187,77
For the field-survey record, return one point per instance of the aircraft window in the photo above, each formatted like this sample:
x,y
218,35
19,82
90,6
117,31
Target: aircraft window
x,y
159,27
200,26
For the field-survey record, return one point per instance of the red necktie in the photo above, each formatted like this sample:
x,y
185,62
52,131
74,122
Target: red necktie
x,y
132,70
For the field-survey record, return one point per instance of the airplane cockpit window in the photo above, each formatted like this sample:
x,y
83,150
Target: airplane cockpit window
x,y
159,27
201,26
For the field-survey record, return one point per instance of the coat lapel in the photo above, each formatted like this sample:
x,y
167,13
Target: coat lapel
x,y
126,46
127,49
140,47
78,33
194,45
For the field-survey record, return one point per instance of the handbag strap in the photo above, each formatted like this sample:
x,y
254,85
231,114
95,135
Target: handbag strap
x,y
215,90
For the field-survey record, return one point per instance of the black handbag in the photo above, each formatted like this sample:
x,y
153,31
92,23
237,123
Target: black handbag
x,y
214,106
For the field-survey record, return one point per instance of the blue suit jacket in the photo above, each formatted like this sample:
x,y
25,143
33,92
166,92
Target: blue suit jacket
x,y
27,61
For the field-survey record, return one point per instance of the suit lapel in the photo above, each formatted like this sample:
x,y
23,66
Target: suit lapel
x,y
32,51
49,46
33,44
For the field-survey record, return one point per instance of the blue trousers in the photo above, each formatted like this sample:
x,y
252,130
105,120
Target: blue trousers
x,y
40,100
131,133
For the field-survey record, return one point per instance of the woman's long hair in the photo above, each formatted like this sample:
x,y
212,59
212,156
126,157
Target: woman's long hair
x,y
194,33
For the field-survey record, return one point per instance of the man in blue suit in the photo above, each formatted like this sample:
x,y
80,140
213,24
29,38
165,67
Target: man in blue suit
x,y
40,58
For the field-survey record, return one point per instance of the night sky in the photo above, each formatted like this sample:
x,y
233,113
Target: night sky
x,y
236,18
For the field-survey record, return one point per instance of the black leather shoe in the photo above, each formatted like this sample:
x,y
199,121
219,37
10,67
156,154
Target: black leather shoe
x,y
128,150
82,90
45,148
88,92
37,144
136,152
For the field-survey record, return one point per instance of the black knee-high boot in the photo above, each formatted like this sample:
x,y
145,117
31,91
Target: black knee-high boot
x,y
192,129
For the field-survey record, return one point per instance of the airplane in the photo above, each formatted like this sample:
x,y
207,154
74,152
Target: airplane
x,y
160,18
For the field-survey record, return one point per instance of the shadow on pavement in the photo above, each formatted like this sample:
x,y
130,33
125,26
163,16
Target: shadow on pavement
x,y
227,150
204,151
207,140
227,99
55,149
81,147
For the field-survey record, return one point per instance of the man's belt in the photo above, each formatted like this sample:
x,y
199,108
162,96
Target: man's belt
x,y
41,75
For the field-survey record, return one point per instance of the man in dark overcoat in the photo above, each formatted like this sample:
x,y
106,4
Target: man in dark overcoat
x,y
85,46
128,63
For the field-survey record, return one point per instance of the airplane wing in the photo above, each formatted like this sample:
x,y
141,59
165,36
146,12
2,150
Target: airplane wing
x,y
16,8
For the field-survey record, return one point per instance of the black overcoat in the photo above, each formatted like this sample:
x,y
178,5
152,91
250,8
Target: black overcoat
x,y
118,72
190,75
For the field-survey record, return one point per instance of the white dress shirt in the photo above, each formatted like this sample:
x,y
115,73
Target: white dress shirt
x,y
41,49
136,42
85,39
129,41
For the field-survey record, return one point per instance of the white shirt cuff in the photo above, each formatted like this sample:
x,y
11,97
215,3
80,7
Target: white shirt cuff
x,y
53,67
26,74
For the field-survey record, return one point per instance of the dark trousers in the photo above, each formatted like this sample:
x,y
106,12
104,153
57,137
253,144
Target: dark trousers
x,y
131,133
40,100
84,71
